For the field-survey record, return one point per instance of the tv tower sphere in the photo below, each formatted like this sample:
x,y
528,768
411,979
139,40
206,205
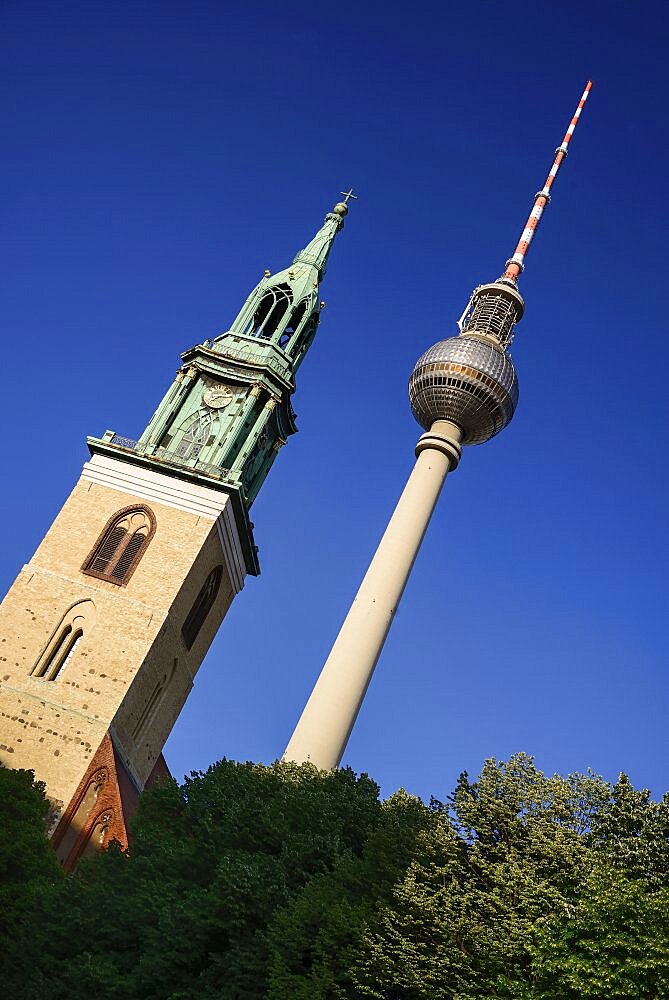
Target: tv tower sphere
x,y
470,379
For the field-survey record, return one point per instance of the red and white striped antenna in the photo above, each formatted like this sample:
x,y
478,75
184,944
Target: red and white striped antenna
x,y
515,265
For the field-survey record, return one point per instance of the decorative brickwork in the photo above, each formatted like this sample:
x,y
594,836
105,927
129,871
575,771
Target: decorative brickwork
x,y
101,807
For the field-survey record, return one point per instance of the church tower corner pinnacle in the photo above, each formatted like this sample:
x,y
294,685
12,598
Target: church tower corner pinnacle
x,y
107,625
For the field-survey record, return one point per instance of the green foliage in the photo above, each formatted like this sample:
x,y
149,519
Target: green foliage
x,y
188,912
27,863
523,888
316,938
286,883
615,943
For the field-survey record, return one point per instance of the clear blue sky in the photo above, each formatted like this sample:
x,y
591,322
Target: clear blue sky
x,y
158,156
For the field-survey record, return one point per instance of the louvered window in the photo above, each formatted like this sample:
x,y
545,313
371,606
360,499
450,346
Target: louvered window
x,y
128,556
108,549
121,545
203,605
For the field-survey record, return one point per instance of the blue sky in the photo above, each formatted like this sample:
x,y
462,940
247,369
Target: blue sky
x,y
159,156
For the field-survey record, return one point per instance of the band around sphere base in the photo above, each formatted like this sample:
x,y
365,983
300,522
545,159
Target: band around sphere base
x,y
443,436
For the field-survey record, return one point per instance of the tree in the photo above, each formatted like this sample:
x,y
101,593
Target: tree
x,y
186,913
287,883
316,938
500,899
613,943
27,863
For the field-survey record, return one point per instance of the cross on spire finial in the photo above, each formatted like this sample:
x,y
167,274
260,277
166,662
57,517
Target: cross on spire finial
x,y
347,195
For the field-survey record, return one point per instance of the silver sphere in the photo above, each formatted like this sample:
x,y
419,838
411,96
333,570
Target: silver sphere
x,y
340,209
469,380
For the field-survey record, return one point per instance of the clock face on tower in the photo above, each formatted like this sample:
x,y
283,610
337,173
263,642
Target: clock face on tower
x,y
217,396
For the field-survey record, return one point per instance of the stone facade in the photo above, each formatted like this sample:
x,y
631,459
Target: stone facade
x,y
130,674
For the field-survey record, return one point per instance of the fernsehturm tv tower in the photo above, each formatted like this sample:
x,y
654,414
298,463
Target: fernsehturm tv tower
x,y
463,390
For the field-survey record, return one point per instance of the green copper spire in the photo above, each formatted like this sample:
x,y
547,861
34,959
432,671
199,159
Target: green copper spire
x,y
316,253
283,310
228,411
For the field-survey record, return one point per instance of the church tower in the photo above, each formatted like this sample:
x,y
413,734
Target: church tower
x,y
103,631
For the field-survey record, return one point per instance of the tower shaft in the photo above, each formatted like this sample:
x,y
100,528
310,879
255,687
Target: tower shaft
x,y
323,730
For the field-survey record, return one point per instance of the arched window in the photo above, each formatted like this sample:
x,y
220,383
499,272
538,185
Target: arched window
x,y
148,713
84,809
121,545
96,838
198,433
306,338
203,605
61,647
293,323
270,312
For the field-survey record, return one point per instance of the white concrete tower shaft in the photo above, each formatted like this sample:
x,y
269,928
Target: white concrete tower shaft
x,y
323,730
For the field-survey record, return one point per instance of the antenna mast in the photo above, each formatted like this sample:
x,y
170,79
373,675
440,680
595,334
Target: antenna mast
x,y
516,264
